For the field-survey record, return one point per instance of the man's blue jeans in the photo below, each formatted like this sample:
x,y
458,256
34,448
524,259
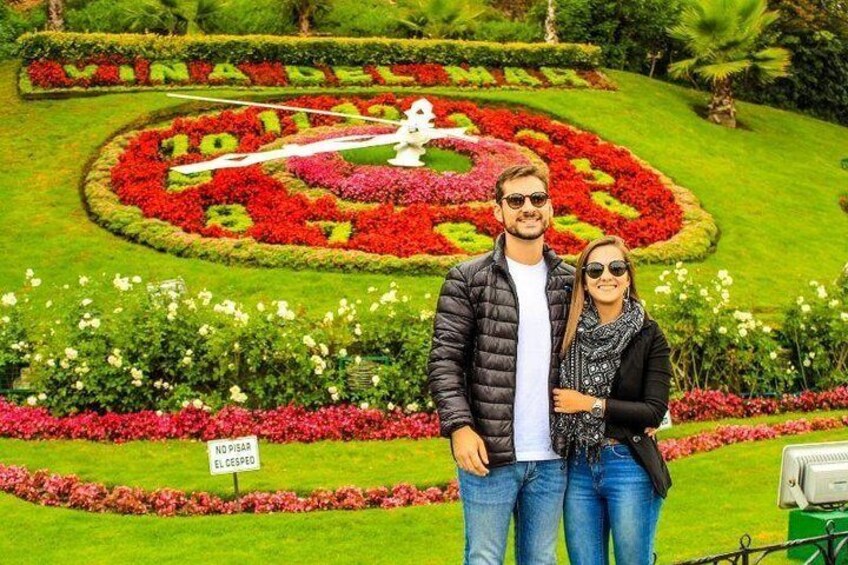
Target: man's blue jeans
x,y
615,494
533,492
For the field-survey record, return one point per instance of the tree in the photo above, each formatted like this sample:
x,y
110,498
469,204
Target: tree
x,y
56,15
724,37
305,11
550,23
441,19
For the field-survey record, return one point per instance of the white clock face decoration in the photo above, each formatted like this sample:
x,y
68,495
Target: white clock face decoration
x,y
409,139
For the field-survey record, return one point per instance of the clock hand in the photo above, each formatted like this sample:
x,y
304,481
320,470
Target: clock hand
x,y
282,107
234,160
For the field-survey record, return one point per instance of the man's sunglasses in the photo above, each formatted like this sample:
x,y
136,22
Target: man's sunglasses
x,y
594,270
516,200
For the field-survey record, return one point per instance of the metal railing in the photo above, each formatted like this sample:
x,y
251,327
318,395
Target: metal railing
x,y
828,548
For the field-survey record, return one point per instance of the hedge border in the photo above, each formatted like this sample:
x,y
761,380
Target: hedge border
x,y
306,51
694,241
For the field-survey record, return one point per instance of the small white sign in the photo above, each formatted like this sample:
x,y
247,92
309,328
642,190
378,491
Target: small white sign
x,y
233,455
666,421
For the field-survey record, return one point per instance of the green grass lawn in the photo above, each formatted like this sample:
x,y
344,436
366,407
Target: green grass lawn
x,y
716,497
772,188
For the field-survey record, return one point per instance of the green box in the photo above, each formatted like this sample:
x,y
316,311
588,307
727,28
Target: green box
x,y
812,524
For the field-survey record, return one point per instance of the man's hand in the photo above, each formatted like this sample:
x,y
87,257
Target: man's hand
x,y
570,401
652,432
470,451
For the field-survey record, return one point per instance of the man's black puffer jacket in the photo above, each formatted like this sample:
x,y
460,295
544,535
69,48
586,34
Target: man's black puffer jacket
x,y
471,370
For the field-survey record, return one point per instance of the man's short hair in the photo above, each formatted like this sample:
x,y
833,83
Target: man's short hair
x,y
517,172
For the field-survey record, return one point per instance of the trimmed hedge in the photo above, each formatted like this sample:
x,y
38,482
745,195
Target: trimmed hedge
x,y
305,51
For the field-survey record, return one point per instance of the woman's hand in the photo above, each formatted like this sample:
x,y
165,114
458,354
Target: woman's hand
x,y
570,401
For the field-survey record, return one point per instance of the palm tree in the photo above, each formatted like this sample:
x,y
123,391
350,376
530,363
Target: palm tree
x,y
723,38
441,19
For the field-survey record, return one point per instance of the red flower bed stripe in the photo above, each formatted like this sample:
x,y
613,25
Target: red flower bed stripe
x,y
48,489
288,424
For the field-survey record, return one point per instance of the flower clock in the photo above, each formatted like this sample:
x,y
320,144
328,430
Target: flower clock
x,y
352,210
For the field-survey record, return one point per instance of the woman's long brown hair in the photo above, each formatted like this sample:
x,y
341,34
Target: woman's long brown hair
x,y
578,295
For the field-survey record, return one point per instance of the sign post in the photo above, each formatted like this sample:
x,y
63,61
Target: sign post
x,y
233,456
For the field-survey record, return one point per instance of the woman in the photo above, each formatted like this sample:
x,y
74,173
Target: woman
x,y
614,383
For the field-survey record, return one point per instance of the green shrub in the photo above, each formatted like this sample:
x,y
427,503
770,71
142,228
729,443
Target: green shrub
x,y
305,51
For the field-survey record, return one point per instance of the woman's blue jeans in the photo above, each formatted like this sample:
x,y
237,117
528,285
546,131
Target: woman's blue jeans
x,y
615,495
533,492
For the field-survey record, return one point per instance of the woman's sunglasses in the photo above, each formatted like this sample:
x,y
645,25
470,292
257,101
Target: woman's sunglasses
x,y
516,200
617,268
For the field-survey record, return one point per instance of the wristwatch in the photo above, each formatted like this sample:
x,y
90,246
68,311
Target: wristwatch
x,y
597,408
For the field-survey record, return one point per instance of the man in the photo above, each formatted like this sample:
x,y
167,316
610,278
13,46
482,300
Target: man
x,y
499,325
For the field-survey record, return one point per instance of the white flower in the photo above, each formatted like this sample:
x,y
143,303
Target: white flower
x,y
844,316
136,279
82,324
260,306
364,405
136,382
663,289
185,403
85,302
35,283
308,341
29,273
136,373
372,289
197,403
425,315
375,380
357,360
236,395
833,303
800,300
332,390
722,274
122,284
342,352
334,397
42,396
328,318
683,296
390,406
204,330
71,353
324,349
822,292
766,329
283,310
31,400
811,354
427,296
48,304
704,292
357,330
722,330
9,299
390,296
805,308
115,361
806,363
743,332
374,307
94,323
205,296
78,385
412,407
83,281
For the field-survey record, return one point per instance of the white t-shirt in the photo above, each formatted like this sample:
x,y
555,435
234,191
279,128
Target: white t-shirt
x,y
532,399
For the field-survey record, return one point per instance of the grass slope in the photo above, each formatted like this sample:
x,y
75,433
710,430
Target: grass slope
x,y
773,189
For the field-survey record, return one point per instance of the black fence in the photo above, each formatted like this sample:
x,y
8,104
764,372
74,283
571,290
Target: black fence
x,y
827,549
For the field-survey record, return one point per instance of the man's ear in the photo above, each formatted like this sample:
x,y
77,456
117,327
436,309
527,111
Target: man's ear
x,y
497,211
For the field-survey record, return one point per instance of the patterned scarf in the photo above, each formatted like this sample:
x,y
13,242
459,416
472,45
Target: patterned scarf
x,y
589,367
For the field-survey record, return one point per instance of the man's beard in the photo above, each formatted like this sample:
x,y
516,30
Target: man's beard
x,y
528,235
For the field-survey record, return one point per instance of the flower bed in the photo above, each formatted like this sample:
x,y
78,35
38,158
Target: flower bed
x,y
46,76
70,62
48,489
340,423
129,190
